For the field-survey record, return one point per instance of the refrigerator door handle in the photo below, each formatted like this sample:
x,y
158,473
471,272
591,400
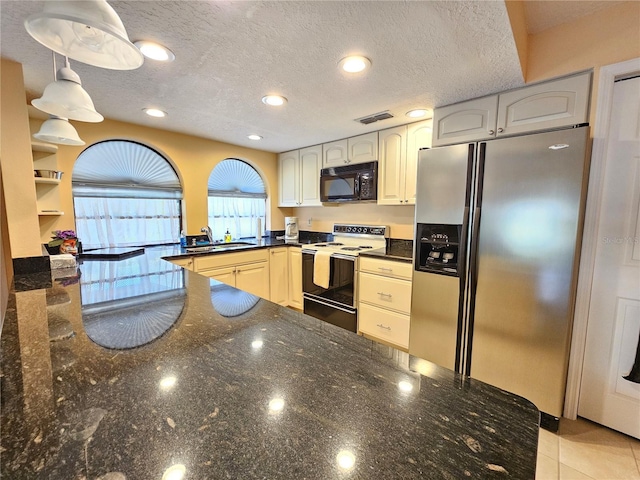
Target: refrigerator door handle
x,y
473,259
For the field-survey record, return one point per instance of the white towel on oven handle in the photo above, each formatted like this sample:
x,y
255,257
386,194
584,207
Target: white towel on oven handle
x,y
322,269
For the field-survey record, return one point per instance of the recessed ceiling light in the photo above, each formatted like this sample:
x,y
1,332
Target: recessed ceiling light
x,y
154,112
254,137
155,51
274,100
416,113
354,63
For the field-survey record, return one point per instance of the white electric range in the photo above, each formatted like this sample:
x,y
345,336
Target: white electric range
x,y
337,303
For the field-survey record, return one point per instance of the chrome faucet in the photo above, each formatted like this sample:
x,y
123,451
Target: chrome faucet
x,y
209,233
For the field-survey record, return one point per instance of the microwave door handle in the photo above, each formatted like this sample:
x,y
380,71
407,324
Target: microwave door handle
x,y
356,183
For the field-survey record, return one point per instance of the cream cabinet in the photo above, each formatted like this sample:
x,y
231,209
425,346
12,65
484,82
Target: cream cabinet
x,y
185,262
384,300
279,275
398,165
295,277
360,149
556,103
248,271
299,177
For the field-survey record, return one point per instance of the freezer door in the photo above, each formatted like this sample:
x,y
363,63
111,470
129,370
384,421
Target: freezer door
x,y
434,333
442,184
530,205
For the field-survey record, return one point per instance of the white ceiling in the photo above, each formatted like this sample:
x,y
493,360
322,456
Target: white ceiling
x,y
231,53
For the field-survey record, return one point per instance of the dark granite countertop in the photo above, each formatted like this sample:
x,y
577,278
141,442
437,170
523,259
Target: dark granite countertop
x,y
398,250
138,369
242,244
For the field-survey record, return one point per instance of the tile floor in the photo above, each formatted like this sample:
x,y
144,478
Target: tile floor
x,y
582,450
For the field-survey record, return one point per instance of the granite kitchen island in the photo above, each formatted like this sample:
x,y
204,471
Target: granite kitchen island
x,y
142,370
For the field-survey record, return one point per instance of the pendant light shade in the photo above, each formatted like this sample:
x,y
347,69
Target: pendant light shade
x,y
89,31
58,130
66,98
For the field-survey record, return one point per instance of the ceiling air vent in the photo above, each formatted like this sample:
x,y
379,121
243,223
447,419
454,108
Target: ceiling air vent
x,y
375,117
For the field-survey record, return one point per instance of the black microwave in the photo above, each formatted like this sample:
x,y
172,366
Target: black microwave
x,y
349,183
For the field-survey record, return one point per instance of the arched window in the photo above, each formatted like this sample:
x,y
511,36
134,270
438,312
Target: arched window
x,y
237,199
125,194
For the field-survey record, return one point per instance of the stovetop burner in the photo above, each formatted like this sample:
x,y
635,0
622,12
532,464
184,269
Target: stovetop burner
x,y
365,246
351,249
335,244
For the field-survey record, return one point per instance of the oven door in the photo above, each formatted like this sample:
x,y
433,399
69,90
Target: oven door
x,y
340,188
335,304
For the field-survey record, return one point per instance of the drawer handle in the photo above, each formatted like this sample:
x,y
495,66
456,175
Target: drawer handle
x,y
383,326
382,294
385,269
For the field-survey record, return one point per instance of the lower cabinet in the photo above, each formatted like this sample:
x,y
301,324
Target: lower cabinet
x,y
384,300
248,271
295,278
274,274
279,275
186,263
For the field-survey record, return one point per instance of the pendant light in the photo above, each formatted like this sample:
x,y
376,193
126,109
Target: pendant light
x,y
88,31
66,98
58,130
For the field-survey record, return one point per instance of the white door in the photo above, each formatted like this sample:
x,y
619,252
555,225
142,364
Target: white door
x,y
613,330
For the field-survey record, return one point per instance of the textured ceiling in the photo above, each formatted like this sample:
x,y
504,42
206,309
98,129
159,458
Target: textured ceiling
x,y
230,54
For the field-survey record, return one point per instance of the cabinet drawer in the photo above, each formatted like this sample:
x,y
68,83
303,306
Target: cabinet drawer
x,y
225,259
388,268
383,324
385,292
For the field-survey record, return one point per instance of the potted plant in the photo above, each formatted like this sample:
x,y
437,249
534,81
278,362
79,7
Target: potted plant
x,y
65,241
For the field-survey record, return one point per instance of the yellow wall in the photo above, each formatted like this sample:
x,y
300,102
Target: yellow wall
x,y
192,157
17,164
603,38
399,218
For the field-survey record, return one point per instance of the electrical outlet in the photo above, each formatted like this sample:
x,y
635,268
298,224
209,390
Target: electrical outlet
x,y
309,221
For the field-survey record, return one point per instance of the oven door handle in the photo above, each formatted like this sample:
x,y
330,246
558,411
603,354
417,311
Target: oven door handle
x,y
351,258
326,304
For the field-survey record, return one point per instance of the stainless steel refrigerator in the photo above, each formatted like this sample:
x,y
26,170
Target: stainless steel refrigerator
x,y
498,229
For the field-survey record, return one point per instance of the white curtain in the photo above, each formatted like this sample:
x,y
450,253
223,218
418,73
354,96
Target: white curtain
x,y
238,214
124,222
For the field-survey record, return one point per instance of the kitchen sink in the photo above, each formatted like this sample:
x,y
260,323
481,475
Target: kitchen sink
x,y
218,246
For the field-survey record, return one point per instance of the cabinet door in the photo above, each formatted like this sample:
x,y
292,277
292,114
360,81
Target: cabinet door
x,y
225,275
418,136
310,166
334,154
363,148
295,277
465,122
279,276
289,179
183,262
558,103
254,278
384,324
393,148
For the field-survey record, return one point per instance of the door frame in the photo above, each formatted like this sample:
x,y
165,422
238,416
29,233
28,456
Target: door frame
x,y
608,75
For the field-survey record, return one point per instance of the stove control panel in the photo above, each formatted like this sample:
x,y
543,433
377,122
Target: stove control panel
x,y
375,230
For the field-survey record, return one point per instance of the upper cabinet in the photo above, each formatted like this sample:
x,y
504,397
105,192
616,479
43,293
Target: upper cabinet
x,y
398,162
299,177
554,104
360,149
557,103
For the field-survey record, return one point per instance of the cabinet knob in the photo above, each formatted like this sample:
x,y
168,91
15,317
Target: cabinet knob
x,y
492,132
500,130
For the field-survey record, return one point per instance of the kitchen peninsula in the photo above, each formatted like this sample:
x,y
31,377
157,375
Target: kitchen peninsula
x,y
143,370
